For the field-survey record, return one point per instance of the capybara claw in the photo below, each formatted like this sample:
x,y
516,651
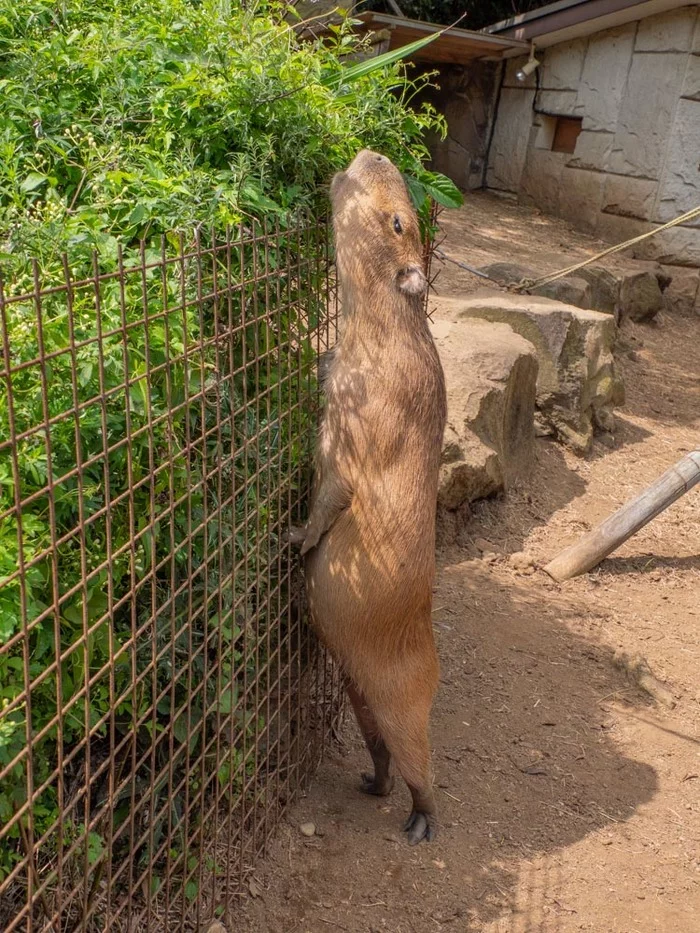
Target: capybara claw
x,y
420,826
370,785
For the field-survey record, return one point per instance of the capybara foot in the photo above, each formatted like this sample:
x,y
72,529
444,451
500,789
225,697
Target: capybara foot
x,y
420,825
379,788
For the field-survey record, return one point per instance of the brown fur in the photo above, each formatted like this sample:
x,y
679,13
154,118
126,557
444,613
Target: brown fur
x,y
370,538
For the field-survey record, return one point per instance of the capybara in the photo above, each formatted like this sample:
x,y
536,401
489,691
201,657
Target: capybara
x,y
370,538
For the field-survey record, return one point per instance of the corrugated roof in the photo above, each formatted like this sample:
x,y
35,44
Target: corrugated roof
x,y
569,19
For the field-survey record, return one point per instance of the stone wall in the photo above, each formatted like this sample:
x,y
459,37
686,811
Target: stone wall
x,y
637,160
465,95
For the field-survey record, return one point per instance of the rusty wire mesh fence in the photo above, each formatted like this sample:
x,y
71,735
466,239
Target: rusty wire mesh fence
x,y
161,698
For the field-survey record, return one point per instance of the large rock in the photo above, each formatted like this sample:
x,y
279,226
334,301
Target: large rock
x,y
570,289
577,386
491,374
641,297
604,288
508,273
683,288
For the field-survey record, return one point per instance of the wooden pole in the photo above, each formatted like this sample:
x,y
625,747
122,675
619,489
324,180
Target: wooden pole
x,y
627,521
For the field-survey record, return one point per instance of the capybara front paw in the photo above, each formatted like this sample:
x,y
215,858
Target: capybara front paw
x,y
370,785
419,826
294,535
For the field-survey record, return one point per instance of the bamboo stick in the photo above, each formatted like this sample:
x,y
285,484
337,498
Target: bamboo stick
x,y
627,521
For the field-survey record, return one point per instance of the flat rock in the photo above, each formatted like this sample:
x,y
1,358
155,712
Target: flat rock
x,y
577,385
491,374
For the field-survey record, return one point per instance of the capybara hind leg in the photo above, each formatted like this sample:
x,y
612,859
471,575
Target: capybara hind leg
x,y
408,742
381,782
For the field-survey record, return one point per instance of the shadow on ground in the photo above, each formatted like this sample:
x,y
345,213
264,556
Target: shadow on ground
x,y
526,763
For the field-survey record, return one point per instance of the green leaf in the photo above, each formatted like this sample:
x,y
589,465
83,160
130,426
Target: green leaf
x,y
33,181
95,847
361,69
442,189
416,190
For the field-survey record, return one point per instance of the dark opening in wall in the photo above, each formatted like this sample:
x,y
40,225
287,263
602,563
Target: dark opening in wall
x,y
566,132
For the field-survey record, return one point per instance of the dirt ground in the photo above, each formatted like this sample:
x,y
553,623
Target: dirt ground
x,y
569,799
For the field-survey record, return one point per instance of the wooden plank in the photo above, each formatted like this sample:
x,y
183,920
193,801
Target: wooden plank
x,y
627,521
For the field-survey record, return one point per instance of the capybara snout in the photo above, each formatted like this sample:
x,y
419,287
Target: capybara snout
x,y
369,543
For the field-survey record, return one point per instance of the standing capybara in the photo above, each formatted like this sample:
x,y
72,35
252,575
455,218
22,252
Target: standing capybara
x,y
370,538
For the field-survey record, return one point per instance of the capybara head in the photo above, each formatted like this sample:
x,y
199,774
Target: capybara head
x,y
376,229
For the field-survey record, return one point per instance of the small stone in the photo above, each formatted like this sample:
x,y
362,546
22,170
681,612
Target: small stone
x,y
308,829
484,546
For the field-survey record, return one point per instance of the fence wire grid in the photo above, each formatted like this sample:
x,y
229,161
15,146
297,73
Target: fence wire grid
x,y
161,698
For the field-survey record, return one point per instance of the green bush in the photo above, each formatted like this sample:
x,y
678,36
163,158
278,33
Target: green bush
x,y
121,125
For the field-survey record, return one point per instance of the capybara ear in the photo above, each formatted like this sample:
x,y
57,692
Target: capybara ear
x,y
412,281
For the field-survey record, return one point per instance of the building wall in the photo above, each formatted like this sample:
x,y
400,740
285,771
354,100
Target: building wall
x,y
636,163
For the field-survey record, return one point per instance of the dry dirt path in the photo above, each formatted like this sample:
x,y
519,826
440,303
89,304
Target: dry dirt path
x,y
569,801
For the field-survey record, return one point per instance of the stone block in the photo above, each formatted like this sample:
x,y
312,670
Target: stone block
x,y
510,139
604,77
491,375
562,65
629,197
581,196
691,82
558,102
667,32
541,178
679,246
577,383
616,229
646,114
679,188
593,149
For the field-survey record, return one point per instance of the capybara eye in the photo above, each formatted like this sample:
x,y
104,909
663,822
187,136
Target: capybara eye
x,y
397,225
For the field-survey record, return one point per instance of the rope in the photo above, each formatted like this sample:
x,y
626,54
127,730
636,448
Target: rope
x,y
462,265
553,276
546,279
